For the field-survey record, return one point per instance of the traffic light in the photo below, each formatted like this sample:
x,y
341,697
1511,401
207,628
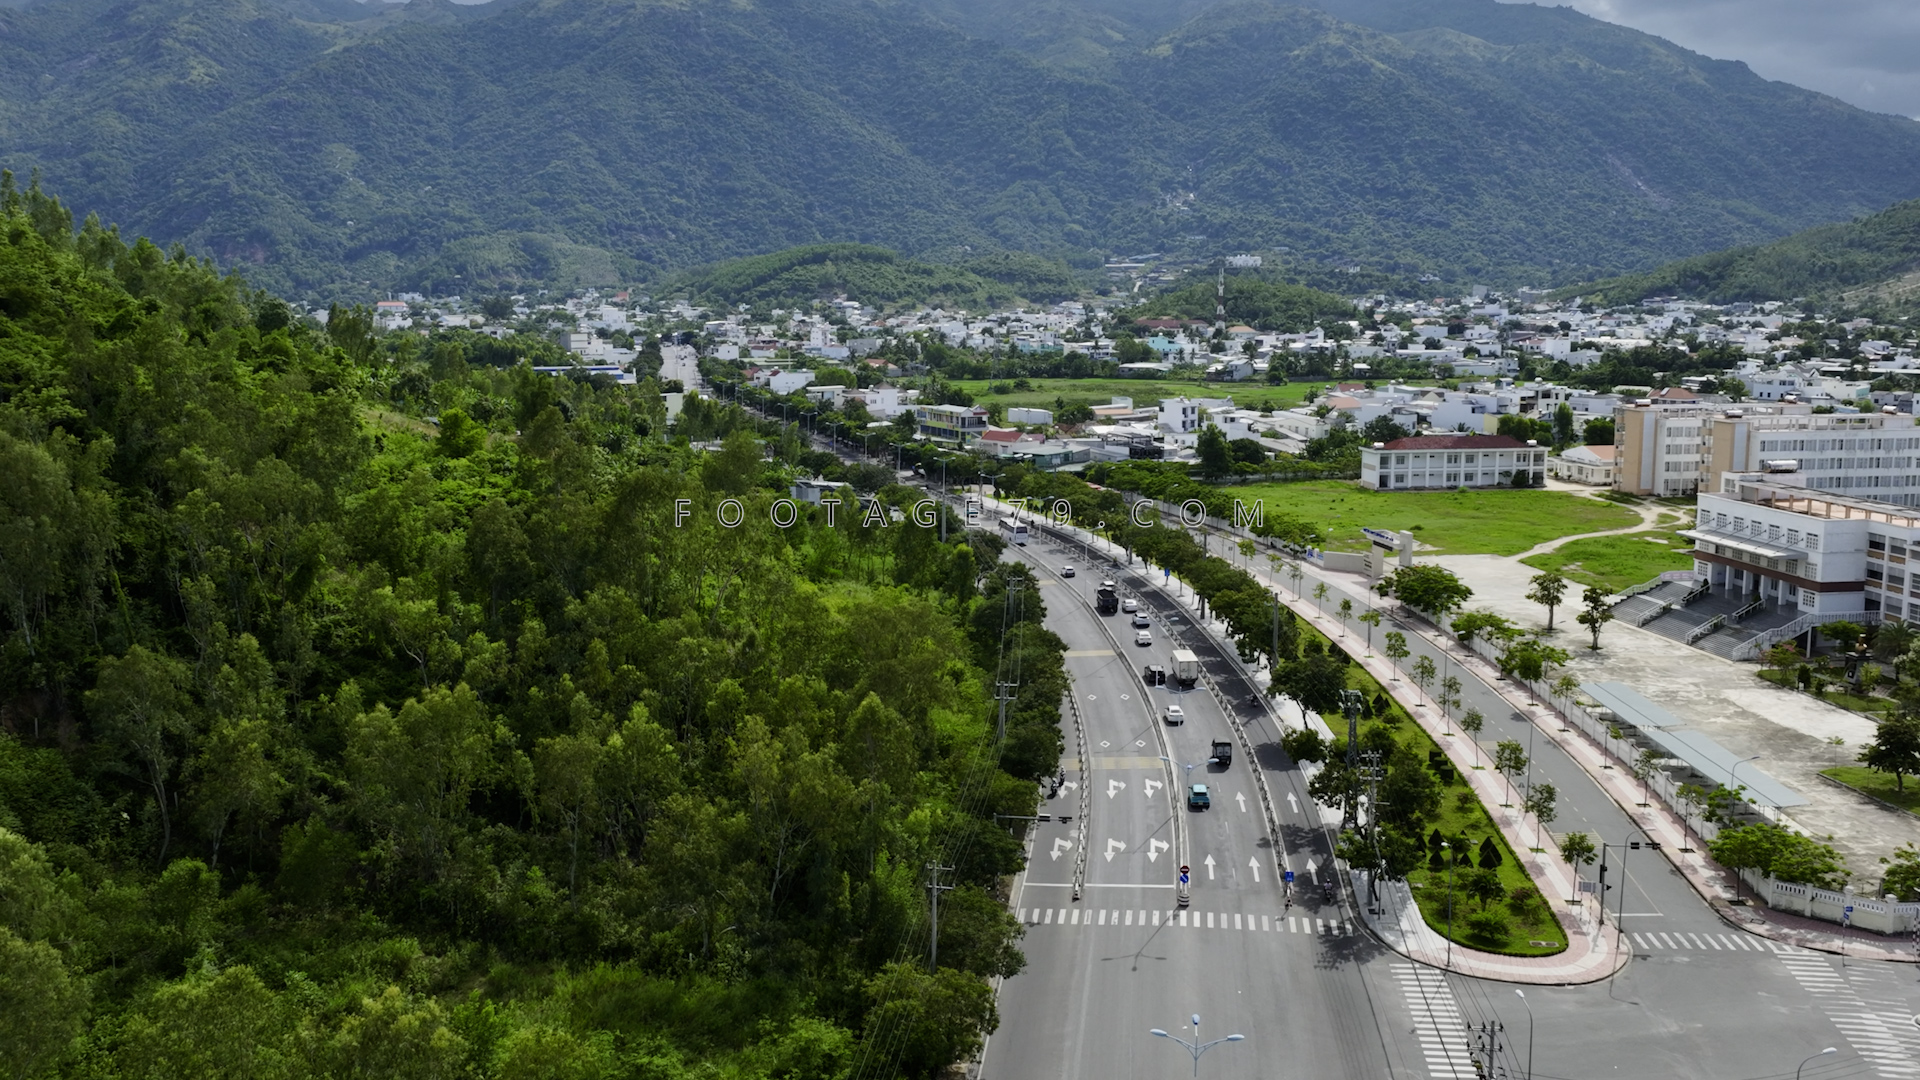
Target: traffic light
x,y
1634,844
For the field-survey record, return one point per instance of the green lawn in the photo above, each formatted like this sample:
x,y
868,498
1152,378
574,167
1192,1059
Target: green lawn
x,y
1461,813
1879,785
1144,392
1616,562
1493,521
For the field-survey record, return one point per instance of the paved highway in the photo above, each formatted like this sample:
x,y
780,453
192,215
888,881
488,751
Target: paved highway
x,y
1316,998
1126,958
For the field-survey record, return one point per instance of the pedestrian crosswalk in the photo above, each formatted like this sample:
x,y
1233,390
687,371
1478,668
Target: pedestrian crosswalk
x,y
1672,941
1436,1022
1182,917
1881,1031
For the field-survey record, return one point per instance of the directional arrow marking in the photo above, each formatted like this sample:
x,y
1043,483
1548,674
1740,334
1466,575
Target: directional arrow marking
x,y
1310,869
1113,846
1152,786
1209,863
1070,785
1241,798
1255,863
1061,844
1293,802
1114,787
1154,848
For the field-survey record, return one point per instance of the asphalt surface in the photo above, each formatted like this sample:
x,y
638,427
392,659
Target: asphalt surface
x,y
1700,998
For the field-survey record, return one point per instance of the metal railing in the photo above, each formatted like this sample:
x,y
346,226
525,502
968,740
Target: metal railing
x,y
1746,611
1648,616
1752,648
1706,628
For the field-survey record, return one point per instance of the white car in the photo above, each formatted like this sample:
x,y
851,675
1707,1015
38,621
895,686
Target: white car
x,y
1129,604
1143,638
1175,715
1140,620
1066,571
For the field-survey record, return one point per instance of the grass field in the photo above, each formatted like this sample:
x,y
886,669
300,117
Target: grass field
x,y
1144,392
1835,694
1461,813
1616,562
1490,521
1879,785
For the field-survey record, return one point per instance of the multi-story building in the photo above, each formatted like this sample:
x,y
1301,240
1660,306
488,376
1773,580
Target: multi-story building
x,y
1825,554
1658,448
1666,450
951,423
1869,455
1452,461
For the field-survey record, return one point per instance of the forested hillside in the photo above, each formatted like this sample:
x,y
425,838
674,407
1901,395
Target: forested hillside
x,y
1862,261
1271,306
335,742
336,151
879,277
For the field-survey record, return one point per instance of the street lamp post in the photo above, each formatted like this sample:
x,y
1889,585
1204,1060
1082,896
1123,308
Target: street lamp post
x,y
1196,1047
1810,1057
1734,773
1529,1005
1446,847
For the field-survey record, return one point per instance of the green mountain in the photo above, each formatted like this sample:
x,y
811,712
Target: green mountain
x,y
878,276
333,149
1873,259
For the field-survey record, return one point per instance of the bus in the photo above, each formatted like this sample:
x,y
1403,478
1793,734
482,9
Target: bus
x,y
1013,530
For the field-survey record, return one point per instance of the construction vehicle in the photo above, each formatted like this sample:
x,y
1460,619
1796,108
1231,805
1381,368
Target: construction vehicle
x,y
1222,753
1106,600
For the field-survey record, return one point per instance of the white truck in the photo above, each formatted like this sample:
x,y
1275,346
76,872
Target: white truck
x,y
1186,667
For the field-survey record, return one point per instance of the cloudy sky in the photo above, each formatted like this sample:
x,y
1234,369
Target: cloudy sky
x,y
1865,52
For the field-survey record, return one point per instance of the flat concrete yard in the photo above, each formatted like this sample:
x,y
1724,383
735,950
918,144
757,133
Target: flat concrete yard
x,y
1722,698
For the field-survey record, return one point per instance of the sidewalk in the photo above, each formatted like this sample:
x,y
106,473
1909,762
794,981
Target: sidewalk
x,y
1590,956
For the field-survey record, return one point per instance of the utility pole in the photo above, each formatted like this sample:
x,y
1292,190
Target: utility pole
x,y
934,870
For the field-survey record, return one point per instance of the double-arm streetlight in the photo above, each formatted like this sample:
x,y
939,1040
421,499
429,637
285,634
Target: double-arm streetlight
x,y
1196,1047
1188,767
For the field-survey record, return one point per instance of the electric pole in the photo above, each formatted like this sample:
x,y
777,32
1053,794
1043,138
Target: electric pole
x,y
934,870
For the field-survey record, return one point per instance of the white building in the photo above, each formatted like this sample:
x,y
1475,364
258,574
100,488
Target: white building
x,y
1180,415
1584,465
1825,554
1451,461
786,382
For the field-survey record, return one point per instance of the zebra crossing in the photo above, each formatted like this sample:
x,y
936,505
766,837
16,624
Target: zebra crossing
x,y
1182,917
1882,1032
1673,941
1436,1022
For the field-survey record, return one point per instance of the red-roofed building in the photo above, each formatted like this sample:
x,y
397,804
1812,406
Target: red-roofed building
x,y
1427,462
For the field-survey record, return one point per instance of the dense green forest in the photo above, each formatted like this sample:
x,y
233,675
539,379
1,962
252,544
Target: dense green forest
x,y
879,277
1857,262
332,151
1271,306
366,711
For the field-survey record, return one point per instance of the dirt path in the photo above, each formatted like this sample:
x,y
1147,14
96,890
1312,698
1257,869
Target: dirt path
x,y
1649,520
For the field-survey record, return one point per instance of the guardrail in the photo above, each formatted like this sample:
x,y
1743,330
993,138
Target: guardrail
x,y
1636,590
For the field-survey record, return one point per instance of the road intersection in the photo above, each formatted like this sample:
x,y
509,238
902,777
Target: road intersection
x,y
1315,995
